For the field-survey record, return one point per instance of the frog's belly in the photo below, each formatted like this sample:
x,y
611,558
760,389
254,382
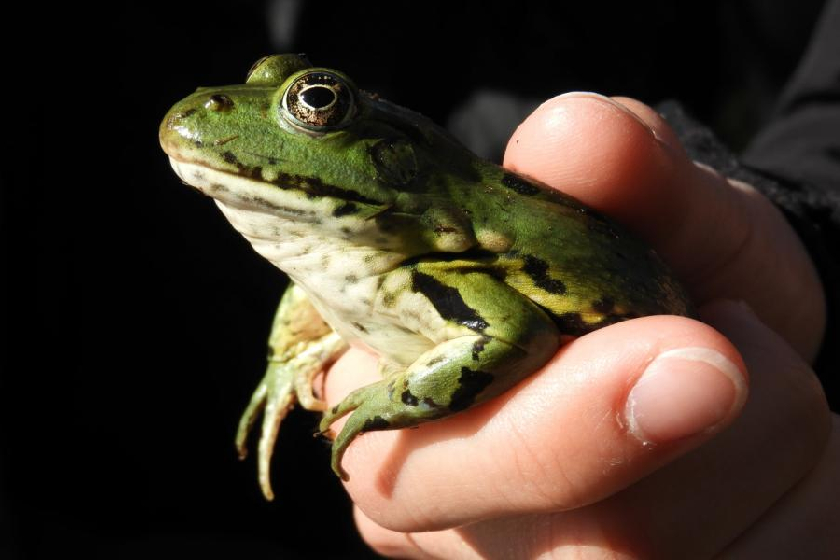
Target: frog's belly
x,y
341,279
366,326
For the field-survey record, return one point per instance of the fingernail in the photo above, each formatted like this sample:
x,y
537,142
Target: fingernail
x,y
612,102
584,94
684,392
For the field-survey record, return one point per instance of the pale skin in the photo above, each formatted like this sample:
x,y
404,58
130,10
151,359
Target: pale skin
x,y
589,457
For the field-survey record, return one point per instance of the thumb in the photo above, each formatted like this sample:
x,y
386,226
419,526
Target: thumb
x,y
609,409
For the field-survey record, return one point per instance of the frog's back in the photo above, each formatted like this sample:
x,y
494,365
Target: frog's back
x,y
584,269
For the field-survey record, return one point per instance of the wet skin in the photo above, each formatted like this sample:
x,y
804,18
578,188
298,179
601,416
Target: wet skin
x,y
462,276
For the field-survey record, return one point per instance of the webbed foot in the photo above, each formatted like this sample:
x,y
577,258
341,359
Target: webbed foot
x,y
275,395
300,346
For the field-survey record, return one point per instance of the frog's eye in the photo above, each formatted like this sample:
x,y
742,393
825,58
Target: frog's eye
x,y
318,101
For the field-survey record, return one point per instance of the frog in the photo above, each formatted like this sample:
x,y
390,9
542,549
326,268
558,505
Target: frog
x,y
462,276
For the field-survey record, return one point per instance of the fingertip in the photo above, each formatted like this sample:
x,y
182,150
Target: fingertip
x,y
657,124
601,152
385,542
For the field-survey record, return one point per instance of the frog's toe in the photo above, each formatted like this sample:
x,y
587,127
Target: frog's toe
x,y
374,409
310,363
362,402
303,389
249,417
364,419
279,402
275,394
350,403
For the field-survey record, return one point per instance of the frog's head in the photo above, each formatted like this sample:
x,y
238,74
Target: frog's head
x,y
304,144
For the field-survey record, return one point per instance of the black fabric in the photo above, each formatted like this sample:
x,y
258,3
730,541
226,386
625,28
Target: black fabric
x,y
795,162
801,143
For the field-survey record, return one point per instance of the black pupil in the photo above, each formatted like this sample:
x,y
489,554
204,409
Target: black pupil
x,y
317,97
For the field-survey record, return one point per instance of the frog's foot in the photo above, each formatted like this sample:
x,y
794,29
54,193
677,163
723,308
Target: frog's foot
x,y
309,363
275,394
373,408
248,418
286,380
453,376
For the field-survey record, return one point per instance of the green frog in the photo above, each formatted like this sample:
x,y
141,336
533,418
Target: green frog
x,y
462,276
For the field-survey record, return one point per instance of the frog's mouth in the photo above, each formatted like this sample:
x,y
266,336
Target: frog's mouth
x,y
245,193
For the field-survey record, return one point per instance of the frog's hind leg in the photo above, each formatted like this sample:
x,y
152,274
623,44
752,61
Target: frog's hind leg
x,y
300,346
443,381
275,396
488,337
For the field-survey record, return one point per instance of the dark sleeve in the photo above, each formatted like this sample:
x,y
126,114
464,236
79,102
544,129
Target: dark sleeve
x,y
801,143
795,162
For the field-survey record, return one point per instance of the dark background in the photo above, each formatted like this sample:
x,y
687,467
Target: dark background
x,y
137,318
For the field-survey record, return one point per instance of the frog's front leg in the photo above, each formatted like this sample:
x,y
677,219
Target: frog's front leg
x,y
299,347
487,337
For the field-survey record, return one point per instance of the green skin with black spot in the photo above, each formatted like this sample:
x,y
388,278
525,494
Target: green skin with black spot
x,y
460,275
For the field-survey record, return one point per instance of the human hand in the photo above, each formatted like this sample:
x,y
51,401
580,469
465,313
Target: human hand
x,y
584,458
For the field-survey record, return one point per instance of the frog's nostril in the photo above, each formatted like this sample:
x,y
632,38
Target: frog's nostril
x,y
174,119
219,103
177,124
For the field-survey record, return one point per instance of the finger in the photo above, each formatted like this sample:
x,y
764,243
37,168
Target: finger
x,y
581,534
695,506
394,544
355,368
707,498
722,238
803,524
572,535
612,407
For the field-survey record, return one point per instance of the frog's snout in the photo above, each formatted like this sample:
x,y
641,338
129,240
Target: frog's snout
x,y
193,122
175,128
